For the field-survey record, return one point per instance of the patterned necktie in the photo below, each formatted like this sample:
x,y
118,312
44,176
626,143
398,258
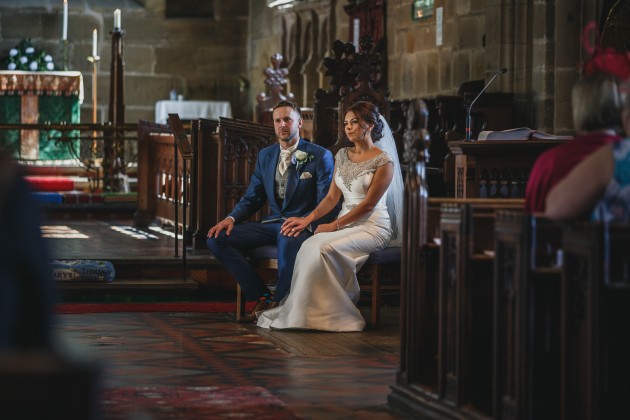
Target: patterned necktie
x,y
285,160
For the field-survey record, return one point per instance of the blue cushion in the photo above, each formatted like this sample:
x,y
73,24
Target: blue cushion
x,y
82,270
389,255
48,197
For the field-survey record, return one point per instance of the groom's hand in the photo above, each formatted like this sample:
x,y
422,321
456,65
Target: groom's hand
x,y
293,226
227,224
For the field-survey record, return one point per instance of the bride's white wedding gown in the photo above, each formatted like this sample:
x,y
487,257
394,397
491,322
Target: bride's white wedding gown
x,y
324,288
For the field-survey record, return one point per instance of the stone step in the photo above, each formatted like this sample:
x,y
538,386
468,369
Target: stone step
x,y
177,288
130,285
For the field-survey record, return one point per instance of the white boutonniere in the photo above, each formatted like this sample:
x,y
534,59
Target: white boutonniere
x,y
300,157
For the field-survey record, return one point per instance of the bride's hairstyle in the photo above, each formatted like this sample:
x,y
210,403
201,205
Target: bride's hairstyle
x,y
368,114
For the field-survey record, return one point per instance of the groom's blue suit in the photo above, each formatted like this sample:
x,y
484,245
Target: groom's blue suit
x,y
307,185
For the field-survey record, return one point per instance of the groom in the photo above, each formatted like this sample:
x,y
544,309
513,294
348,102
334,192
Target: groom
x,y
293,176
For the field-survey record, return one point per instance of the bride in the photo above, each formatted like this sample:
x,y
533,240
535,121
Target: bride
x,y
324,288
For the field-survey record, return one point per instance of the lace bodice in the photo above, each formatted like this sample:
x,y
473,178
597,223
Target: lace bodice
x,y
354,179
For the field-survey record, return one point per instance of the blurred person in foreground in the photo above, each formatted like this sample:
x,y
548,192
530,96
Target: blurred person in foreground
x,y
597,105
599,187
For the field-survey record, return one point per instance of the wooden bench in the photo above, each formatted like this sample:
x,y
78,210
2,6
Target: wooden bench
x,y
561,339
515,334
495,168
465,303
527,278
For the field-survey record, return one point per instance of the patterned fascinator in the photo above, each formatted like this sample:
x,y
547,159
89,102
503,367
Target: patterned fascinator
x,y
608,61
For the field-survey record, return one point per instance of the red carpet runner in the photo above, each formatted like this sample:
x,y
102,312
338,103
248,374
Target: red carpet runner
x,y
212,402
83,308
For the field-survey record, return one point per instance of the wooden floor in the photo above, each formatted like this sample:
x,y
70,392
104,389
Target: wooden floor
x,y
317,375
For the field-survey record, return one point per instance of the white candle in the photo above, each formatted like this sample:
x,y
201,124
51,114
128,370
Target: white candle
x,y
117,19
64,35
94,44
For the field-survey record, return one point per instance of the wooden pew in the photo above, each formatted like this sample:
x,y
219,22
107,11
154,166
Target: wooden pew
x,y
465,303
553,341
495,168
561,339
595,308
527,275
446,332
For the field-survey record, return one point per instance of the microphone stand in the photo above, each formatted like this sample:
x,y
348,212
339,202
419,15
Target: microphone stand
x,y
494,76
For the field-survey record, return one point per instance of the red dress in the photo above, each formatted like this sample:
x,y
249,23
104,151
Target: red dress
x,y
555,164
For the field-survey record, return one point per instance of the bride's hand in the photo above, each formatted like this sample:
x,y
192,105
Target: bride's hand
x,y
326,227
293,226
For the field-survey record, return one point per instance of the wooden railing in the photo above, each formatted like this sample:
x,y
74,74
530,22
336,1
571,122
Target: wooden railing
x,y
224,157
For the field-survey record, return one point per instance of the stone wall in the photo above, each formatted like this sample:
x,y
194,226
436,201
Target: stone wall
x,y
201,58
224,58
538,41
303,34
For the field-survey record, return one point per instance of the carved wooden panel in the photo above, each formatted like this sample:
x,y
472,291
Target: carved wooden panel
x,y
241,141
495,168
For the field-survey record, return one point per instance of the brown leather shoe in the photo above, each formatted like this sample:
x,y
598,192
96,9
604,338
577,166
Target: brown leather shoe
x,y
260,306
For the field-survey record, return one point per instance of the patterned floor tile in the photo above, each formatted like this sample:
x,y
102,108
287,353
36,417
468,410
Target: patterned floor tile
x,y
205,350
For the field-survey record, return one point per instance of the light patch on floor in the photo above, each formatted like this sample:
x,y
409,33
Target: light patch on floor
x,y
62,232
164,232
133,232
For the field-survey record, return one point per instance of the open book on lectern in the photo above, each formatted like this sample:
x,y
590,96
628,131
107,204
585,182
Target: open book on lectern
x,y
522,133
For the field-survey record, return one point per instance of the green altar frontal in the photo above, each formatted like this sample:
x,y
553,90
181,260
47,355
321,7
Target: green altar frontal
x,y
40,98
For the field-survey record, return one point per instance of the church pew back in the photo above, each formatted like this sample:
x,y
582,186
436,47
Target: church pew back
x,y
526,319
465,300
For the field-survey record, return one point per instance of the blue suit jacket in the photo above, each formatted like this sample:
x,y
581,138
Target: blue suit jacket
x,y
303,193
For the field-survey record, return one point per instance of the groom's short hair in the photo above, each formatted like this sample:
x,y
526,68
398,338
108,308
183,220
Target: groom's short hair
x,y
291,104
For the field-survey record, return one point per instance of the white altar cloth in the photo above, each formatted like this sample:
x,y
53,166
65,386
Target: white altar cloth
x,y
192,109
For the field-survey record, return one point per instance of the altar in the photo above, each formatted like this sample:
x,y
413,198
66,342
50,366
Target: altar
x,y
39,98
192,109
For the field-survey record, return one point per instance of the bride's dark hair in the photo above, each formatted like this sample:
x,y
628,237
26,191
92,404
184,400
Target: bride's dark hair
x,y
368,114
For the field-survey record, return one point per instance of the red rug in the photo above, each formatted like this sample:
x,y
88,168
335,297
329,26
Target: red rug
x,y
212,402
84,308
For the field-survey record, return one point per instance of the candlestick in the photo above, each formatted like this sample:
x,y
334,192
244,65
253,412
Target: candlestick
x,y
117,19
64,47
94,43
64,35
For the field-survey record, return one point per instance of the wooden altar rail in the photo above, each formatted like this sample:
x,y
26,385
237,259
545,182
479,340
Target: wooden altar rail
x,y
158,189
224,157
516,336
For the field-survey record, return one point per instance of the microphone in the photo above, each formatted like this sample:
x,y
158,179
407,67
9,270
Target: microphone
x,y
496,73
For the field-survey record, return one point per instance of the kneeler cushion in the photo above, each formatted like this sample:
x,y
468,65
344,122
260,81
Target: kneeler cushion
x,y
50,183
82,270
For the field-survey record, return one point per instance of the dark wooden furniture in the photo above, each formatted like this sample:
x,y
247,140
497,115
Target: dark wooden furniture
x,y
495,168
539,330
526,321
595,307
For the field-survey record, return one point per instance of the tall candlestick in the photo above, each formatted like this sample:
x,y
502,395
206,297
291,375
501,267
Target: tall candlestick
x,y
64,35
94,44
117,19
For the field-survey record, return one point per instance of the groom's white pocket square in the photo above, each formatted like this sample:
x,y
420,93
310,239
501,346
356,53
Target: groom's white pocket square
x,y
306,175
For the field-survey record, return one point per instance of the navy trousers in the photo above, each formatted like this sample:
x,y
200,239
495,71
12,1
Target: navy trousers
x,y
232,250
